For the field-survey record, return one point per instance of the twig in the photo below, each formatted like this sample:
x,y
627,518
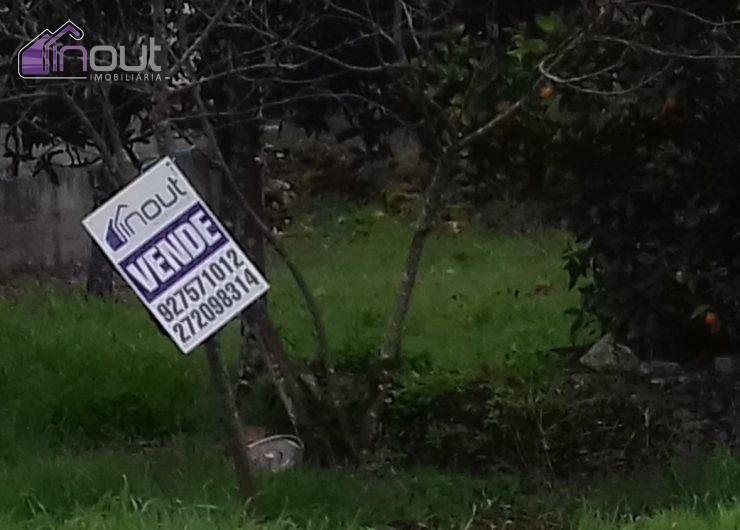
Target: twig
x,y
98,139
199,39
664,53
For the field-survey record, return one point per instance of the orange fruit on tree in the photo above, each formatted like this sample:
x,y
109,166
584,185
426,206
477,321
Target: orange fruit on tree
x,y
547,92
711,319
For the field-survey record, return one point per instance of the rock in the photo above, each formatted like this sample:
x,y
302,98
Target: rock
x,y
608,356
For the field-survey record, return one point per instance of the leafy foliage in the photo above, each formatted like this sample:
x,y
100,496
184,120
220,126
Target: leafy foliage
x,y
648,180
631,134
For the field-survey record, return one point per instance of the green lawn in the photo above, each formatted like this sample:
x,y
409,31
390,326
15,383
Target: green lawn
x,y
481,297
105,425
193,484
188,484
723,517
73,364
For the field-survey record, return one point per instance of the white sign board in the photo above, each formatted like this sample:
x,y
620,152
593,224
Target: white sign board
x,y
176,255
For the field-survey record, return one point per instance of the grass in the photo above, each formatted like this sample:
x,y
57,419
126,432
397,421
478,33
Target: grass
x,y
83,383
482,298
188,484
191,480
74,365
722,518
692,493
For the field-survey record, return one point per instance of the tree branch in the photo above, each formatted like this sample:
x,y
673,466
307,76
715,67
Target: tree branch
x,y
203,34
311,302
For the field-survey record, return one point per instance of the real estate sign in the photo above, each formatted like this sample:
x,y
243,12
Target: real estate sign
x,y
176,255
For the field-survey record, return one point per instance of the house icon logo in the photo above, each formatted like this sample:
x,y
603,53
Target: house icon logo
x,y
44,56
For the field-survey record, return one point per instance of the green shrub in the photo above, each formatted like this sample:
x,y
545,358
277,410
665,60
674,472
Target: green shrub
x,y
649,183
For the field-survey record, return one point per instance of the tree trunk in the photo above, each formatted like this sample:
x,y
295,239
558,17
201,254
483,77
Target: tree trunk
x,y
99,271
105,181
218,146
305,410
391,349
162,132
99,274
230,417
242,148
232,425
263,350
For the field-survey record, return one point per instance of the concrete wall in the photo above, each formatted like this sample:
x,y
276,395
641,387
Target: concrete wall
x,y
40,223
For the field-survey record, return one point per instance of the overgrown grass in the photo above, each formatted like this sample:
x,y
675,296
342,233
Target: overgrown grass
x,y
188,484
482,298
73,365
692,493
723,517
84,368
192,480
83,382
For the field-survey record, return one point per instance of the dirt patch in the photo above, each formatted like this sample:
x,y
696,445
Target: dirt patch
x,y
585,426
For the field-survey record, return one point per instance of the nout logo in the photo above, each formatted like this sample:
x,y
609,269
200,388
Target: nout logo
x,y
45,57
127,220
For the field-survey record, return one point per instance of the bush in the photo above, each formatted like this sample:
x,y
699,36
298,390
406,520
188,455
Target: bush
x,y
649,184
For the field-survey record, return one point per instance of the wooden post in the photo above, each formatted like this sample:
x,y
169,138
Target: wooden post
x,y
193,167
230,418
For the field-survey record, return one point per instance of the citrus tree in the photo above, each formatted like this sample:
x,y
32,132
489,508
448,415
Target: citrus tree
x,y
642,124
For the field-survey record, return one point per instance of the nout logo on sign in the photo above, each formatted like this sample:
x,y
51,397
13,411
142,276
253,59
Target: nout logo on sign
x,y
127,220
48,57
177,256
